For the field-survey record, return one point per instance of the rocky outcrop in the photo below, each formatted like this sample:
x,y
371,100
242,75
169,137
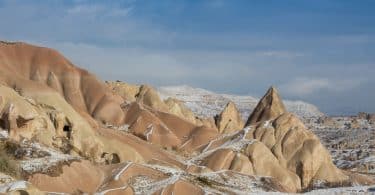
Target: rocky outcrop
x,y
54,123
327,122
366,116
363,115
207,122
178,108
371,118
143,94
37,72
125,90
167,130
280,146
269,107
50,120
149,96
44,97
354,124
229,120
298,150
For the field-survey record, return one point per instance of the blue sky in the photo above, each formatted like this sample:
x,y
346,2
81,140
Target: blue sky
x,y
320,51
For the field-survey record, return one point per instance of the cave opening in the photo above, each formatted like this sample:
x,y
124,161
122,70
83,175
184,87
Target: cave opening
x,y
115,158
111,158
4,122
68,131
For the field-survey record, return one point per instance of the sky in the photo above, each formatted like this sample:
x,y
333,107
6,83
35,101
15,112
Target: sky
x,y
319,51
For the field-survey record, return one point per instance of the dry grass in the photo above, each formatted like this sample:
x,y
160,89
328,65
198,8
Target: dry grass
x,y
8,164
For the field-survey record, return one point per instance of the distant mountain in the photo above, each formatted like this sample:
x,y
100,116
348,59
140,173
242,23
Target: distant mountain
x,y
207,103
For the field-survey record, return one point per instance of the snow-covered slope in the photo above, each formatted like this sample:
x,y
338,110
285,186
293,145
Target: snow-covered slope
x,y
207,103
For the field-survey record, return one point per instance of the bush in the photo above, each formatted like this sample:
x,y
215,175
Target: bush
x,y
8,164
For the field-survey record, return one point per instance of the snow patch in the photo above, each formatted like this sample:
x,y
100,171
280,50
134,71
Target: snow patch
x,y
236,143
117,176
110,190
4,134
12,186
42,164
266,124
149,131
345,190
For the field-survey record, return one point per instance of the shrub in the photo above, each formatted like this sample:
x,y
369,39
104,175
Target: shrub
x,y
8,164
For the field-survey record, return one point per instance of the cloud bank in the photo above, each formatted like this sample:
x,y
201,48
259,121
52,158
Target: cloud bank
x,y
310,86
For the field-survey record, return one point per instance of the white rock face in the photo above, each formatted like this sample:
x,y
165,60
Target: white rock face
x,y
207,103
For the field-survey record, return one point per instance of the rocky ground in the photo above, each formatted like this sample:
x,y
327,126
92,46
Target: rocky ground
x,y
350,141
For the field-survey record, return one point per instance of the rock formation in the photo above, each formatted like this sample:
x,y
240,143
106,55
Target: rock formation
x,y
150,97
143,94
125,90
77,104
47,119
207,122
327,121
165,129
37,72
371,118
178,108
269,107
229,120
367,116
277,144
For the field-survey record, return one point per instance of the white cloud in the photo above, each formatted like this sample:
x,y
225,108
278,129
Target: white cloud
x,y
306,86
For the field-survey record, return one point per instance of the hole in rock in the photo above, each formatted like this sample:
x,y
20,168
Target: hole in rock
x,y
4,122
22,192
115,158
104,154
111,158
21,122
68,131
